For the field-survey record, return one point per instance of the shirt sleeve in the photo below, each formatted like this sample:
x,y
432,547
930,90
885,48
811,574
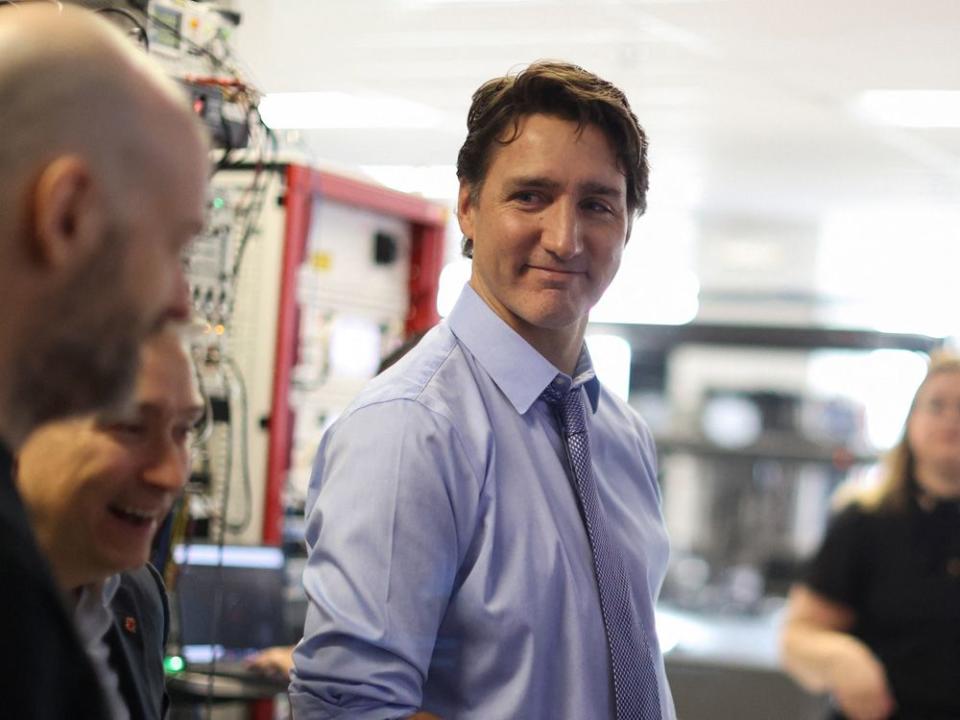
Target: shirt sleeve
x,y
390,515
836,570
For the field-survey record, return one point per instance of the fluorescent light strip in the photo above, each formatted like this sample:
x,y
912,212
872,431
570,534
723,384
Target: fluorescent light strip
x,y
339,110
229,556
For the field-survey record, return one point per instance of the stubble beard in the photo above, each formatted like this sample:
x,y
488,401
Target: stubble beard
x,y
82,354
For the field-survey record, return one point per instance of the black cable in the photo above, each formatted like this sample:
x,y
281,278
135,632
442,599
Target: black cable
x,y
250,214
141,29
249,211
247,486
257,190
228,461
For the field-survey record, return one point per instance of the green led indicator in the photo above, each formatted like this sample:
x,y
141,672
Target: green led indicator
x,y
173,664
218,203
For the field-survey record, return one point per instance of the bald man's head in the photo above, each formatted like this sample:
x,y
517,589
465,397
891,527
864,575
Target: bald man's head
x,y
103,171
72,83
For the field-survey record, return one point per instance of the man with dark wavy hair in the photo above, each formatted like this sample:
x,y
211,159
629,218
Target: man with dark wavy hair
x,y
484,521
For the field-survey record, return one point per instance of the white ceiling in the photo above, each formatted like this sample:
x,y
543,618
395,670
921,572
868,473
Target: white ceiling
x,y
747,102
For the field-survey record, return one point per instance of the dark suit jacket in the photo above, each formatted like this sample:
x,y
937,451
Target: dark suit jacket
x,y
141,618
44,670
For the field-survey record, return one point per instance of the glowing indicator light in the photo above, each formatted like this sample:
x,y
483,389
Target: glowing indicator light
x,y
173,664
218,203
219,329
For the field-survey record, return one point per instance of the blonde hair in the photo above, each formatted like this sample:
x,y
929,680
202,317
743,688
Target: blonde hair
x,y
896,486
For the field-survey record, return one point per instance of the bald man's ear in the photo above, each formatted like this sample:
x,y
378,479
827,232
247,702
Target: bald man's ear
x,y
67,212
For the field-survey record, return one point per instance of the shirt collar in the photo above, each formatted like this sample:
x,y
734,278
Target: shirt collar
x,y
515,366
585,375
92,612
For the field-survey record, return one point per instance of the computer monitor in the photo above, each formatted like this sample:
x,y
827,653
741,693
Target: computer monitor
x,y
230,600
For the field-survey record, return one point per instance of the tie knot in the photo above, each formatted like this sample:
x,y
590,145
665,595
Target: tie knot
x,y
567,403
556,392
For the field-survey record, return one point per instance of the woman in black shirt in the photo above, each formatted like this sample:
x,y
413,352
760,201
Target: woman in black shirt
x,y
876,620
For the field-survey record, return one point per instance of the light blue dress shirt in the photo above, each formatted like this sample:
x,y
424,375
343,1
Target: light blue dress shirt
x,y
449,569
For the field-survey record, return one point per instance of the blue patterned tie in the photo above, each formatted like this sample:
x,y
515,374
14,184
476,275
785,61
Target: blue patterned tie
x,y
635,691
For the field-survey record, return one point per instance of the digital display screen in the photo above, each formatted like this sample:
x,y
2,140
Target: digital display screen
x,y
248,584
167,29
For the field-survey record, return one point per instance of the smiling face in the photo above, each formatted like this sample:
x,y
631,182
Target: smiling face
x,y
97,488
933,432
548,225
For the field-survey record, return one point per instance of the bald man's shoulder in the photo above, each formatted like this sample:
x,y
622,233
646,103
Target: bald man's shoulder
x,y
46,674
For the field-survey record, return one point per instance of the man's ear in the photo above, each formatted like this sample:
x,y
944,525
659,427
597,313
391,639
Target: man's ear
x,y
67,213
465,208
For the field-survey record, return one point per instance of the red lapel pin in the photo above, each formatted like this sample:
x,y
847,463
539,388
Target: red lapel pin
x,y
130,624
